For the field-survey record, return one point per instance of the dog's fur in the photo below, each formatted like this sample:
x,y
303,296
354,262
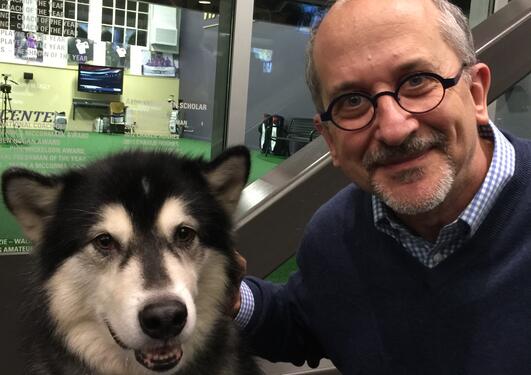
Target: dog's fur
x,y
134,266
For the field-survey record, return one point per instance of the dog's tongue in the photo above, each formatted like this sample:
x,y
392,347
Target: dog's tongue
x,y
160,359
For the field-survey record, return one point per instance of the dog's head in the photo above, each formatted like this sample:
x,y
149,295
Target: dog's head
x,y
135,253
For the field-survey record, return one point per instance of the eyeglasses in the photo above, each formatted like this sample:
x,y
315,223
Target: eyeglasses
x,y
417,93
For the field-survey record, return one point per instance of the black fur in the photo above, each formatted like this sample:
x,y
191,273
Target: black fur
x,y
118,179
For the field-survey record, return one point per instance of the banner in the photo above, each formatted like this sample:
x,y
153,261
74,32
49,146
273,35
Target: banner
x,y
160,64
28,46
55,51
117,55
80,50
7,45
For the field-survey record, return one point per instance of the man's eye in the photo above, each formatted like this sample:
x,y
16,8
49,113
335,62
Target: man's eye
x,y
105,243
184,235
416,81
353,101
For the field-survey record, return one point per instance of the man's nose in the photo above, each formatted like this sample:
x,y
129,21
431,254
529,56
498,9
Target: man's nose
x,y
393,124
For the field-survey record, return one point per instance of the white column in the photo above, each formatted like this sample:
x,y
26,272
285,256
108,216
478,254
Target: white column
x,y
239,81
94,24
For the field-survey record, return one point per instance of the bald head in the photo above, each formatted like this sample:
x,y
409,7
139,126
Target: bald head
x,y
370,16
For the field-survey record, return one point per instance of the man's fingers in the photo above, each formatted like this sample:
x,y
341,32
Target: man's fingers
x,y
234,307
242,264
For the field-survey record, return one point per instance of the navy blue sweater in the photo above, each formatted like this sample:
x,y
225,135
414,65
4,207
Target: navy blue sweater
x,y
361,300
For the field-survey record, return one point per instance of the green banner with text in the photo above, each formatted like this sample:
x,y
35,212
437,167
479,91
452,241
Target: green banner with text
x,y
50,152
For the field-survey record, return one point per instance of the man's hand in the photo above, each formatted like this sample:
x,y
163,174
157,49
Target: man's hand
x,y
234,307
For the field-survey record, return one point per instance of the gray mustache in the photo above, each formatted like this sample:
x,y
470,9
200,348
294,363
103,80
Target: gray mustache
x,y
413,145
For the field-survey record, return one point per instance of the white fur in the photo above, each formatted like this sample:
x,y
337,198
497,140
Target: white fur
x,y
89,289
212,284
115,221
172,214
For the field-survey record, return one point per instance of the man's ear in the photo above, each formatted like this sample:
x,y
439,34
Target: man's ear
x,y
327,135
227,175
31,198
479,88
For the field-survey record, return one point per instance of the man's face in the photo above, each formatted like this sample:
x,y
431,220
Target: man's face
x,y
412,162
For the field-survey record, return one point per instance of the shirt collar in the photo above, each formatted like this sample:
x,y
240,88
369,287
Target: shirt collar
x,y
500,171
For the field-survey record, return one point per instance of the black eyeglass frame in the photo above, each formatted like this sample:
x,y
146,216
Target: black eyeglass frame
x,y
445,82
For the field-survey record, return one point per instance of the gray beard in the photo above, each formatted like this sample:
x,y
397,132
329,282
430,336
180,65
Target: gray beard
x,y
412,205
411,146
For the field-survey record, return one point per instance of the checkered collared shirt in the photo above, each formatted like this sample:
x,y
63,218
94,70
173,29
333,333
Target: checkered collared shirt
x,y
452,236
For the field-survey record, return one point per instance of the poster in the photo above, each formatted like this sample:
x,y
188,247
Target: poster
x,y
55,51
28,46
118,55
160,64
80,50
7,45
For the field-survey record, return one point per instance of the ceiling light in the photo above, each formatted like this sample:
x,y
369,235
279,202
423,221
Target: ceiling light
x,y
206,2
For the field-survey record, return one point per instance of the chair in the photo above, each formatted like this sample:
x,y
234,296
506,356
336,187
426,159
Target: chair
x,y
299,132
117,117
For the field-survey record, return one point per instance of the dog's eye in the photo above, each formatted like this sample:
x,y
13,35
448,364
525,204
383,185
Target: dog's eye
x,y
105,243
184,235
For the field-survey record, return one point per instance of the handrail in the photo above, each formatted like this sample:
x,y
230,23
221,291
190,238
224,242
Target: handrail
x,y
505,33
276,207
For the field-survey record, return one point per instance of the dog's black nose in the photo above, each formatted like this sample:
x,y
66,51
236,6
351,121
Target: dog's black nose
x,y
163,320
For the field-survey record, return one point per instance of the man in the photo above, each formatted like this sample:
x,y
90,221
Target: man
x,y
424,265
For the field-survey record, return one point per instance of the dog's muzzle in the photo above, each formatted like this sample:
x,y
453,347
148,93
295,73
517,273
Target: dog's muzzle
x,y
162,320
160,359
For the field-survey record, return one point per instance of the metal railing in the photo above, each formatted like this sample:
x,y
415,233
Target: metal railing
x,y
276,208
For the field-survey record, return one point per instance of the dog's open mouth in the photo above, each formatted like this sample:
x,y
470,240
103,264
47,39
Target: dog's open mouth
x,y
162,358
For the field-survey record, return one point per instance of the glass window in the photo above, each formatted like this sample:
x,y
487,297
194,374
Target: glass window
x,y
192,72
56,15
143,7
82,30
479,10
141,38
57,8
131,19
43,24
119,17
278,53
130,36
118,35
142,21
56,26
70,10
512,110
69,28
106,33
106,16
82,12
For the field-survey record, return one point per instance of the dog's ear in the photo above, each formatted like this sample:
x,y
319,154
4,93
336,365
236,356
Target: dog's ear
x,y
228,174
31,198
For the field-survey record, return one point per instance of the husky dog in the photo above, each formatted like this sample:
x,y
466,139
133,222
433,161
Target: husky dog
x,y
134,267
